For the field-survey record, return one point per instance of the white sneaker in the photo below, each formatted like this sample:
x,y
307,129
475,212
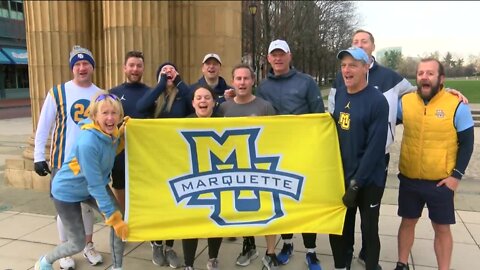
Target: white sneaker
x,y
67,263
92,256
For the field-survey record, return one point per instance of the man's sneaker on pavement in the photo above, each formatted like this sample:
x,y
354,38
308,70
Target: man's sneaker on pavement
x,y
212,264
67,263
312,262
92,256
171,258
248,254
158,257
42,264
188,268
270,262
402,266
284,256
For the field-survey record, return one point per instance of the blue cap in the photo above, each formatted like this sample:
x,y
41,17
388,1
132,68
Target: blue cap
x,y
357,53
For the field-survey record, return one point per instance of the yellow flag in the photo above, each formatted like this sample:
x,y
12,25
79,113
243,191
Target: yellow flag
x,y
216,177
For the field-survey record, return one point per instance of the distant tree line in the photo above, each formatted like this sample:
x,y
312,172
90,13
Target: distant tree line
x,y
406,66
314,30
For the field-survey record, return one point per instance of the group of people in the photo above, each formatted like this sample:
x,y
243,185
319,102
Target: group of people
x,y
366,102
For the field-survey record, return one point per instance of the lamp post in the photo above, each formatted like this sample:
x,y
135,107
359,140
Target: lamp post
x,y
252,8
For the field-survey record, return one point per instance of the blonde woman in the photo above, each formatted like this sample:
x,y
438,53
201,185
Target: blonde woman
x,y
169,99
84,178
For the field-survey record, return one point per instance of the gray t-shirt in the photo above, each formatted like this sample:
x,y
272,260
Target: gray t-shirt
x,y
256,107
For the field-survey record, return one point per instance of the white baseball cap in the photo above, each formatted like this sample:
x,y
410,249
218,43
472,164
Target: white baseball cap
x,y
278,44
211,55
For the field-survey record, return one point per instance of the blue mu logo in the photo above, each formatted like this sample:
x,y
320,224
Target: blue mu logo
x,y
226,171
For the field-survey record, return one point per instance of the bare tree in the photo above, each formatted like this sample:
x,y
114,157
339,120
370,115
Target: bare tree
x,y
315,31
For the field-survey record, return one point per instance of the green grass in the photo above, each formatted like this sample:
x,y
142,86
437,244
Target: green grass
x,y
469,88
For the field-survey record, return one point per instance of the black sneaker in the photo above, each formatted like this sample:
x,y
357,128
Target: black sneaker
x,y
362,258
402,266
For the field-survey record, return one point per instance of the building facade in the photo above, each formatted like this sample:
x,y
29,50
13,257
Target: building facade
x,y
13,51
178,31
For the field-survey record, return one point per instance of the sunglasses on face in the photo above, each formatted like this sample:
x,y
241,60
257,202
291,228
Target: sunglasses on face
x,y
104,96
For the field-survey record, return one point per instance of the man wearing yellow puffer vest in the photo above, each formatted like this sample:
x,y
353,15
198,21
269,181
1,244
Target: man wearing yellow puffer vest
x,y
437,144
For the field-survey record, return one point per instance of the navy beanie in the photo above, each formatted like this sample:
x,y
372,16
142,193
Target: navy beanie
x,y
78,53
164,64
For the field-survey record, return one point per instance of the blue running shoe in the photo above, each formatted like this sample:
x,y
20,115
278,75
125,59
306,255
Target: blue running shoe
x,y
42,264
284,256
312,261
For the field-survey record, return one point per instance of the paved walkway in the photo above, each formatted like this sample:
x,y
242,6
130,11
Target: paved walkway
x,y
28,230
25,236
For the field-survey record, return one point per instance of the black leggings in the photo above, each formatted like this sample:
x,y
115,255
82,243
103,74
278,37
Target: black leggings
x,y
369,199
309,239
190,248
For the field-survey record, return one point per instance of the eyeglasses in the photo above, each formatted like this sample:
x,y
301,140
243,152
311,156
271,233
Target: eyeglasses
x,y
104,96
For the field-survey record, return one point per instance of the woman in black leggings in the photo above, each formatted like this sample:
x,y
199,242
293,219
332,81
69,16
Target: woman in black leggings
x,y
203,101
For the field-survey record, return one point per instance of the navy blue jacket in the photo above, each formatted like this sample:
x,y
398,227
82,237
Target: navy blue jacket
x,y
291,93
362,124
219,89
129,94
180,106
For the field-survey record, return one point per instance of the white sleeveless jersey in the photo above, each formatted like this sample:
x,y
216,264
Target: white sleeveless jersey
x,y
65,105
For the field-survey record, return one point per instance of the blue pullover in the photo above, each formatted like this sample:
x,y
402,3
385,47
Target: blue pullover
x,y
86,171
362,123
388,82
291,93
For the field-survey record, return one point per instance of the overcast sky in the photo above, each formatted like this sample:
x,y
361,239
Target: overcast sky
x,y
421,27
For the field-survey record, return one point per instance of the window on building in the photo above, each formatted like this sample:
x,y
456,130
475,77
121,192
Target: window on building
x,y
14,81
4,9
16,10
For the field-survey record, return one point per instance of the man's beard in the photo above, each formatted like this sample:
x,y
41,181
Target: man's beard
x,y
434,90
134,79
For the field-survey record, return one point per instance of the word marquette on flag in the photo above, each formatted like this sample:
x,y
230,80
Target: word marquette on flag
x,y
218,177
